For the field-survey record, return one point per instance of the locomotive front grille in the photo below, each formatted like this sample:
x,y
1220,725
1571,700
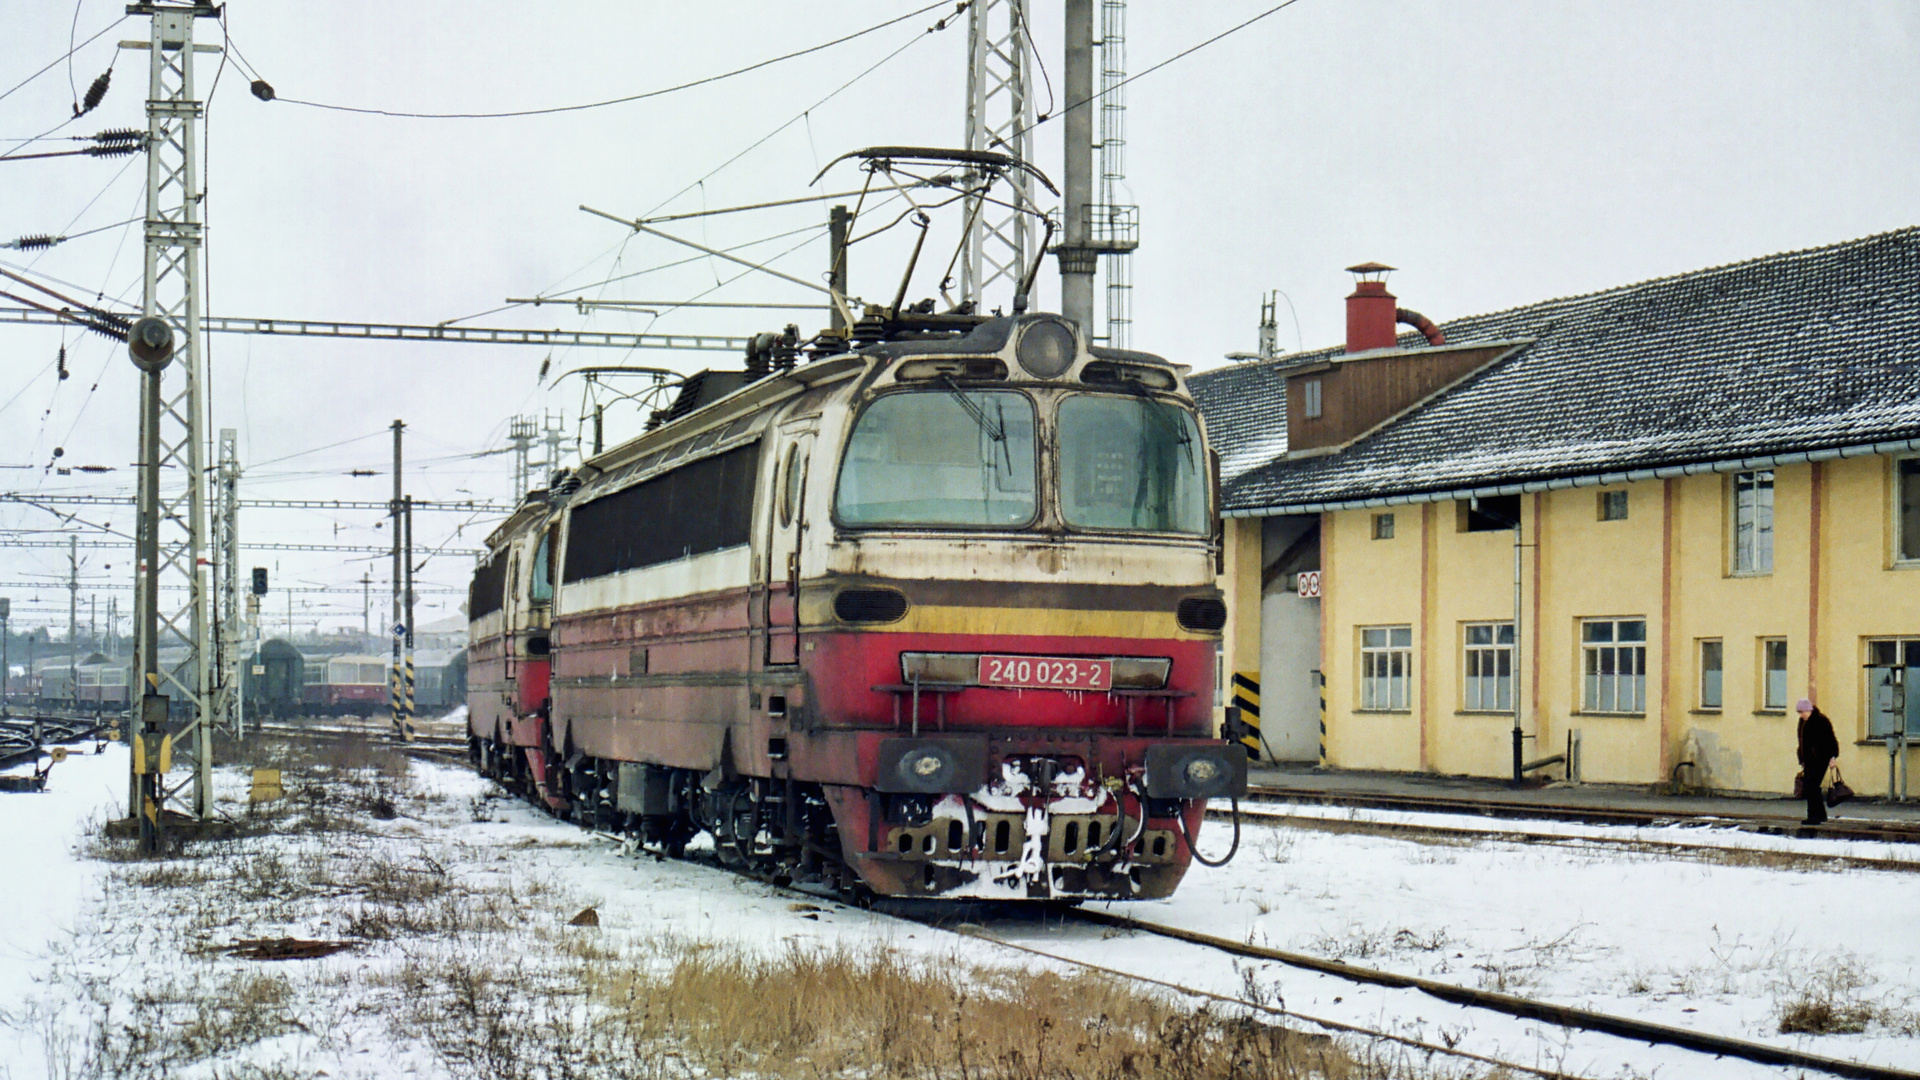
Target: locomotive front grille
x,y
1071,838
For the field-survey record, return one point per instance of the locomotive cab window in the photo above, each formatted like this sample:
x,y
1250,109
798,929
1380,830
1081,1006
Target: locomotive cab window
x,y
790,485
941,457
1130,463
540,581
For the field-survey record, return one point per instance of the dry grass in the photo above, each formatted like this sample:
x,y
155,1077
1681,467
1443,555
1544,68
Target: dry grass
x,y
463,962
697,1009
1836,997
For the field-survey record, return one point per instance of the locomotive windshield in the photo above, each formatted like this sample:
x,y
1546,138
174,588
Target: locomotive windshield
x,y
1131,464
954,457
966,458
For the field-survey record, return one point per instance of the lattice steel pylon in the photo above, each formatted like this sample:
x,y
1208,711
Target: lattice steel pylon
x,y
1117,213
177,658
229,632
1000,240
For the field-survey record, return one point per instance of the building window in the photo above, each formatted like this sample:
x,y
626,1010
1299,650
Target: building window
x,y
1773,673
1615,664
1711,671
1907,516
1310,399
1893,687
1613,506
1753,522
1383,526
1386,666
1489,513
1489,656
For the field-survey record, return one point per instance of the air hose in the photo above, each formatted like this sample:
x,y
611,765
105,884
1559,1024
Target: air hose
x,y
1181,821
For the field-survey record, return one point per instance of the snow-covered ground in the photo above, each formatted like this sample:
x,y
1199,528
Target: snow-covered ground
x,y
87,946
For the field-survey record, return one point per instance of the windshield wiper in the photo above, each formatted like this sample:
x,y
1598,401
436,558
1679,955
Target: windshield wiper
x,y
995,431
998,433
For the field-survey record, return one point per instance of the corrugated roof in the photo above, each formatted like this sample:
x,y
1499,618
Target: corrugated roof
x,y
1787,353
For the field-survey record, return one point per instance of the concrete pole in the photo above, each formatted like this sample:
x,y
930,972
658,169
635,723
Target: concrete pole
x,y
73,618
1077,261
838,223
399,613
406,728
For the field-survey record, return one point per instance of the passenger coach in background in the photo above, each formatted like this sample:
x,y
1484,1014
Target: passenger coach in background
x,y
932,614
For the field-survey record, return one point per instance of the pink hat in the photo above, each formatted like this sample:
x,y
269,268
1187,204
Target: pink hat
x,y
1803,705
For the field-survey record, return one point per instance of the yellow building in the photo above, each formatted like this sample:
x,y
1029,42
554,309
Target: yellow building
x,y
1640,523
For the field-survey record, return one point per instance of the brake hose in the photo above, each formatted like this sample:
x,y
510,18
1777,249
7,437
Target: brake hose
x,y
1181,820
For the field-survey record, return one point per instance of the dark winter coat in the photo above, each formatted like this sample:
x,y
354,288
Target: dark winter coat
x,y
1817,743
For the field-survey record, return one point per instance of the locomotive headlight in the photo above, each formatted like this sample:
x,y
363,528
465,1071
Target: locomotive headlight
x,y
1188,770
1046,349
944,764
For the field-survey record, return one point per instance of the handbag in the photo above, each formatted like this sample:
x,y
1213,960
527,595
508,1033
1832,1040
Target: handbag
x,y
1800,784
1839,792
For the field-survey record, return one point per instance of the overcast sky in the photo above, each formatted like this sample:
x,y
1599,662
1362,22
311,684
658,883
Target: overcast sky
x,y
1497,152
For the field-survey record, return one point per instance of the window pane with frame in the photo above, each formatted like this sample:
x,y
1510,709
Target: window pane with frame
x,y
1773,656
1613,506
1130,463
1386,667
1753,522
1614,665
1893,674
962,458
1711,665
1489,667
1908,485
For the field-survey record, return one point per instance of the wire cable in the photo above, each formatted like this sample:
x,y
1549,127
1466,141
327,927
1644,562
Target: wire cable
x,y
935,28
109,29
1182,54
612,101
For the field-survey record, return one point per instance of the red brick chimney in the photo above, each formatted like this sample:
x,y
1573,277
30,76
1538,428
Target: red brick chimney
x,y
1371,313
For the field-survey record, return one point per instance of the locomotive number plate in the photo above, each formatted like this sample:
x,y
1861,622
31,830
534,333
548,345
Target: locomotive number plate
x,y
1046,672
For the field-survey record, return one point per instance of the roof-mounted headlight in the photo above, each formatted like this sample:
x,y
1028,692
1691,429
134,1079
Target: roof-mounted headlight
x,y
1046,349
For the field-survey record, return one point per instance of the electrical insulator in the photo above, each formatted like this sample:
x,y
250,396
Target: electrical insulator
x,y
94,93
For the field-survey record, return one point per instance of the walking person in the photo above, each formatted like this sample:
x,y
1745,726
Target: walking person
x,y
1818,750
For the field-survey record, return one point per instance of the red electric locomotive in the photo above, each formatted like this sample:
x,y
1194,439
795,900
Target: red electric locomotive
x,y
932,613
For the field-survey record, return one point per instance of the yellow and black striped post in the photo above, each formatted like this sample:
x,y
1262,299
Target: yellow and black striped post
x,y
1246,695
407,728
1320,678
394,699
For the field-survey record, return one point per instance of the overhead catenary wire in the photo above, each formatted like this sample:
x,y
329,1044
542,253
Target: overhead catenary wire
x,y
1181,55
806,112
274,95
69,53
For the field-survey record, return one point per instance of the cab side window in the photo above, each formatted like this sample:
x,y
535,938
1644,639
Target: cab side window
x,y
540,587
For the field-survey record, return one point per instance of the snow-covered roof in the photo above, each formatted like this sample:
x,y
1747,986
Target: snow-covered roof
x,y
1795,352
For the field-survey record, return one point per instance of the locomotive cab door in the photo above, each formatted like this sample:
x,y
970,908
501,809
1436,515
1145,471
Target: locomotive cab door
x,y
780,600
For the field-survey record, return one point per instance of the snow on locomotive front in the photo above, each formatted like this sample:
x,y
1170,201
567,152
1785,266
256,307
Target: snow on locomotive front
x,y
937,617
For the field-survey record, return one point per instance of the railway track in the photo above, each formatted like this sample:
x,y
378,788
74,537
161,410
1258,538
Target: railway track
x,y
1514,809
424,742
1268,814
23,738
1511,1005
934,915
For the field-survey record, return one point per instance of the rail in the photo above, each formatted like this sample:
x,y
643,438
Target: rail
x,y
1524,1008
